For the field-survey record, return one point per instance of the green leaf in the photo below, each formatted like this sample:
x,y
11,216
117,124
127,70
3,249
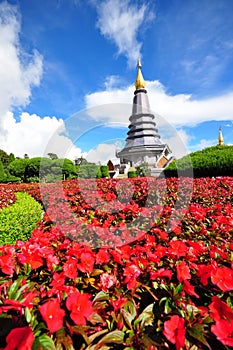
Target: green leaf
x,y
114,337
197,334
97,334
178,289
63,339
43,343
81,330
95,318
130,308
146,317
127,317
28,314
19,292
13,288
167,307
101,296
96,272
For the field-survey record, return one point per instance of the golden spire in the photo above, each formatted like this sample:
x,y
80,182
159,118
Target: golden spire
x,y
140,82
220,137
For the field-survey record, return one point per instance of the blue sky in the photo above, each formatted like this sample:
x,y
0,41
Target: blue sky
x,y
65,66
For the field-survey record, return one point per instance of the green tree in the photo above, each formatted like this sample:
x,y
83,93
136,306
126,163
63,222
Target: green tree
x,y
80,161
52,155
89,171
104,171
17,168
11,158
45,167
4,158
62,168
2,172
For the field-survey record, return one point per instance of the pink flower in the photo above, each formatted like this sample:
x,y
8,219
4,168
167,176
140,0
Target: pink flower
x,y
107,281
174,331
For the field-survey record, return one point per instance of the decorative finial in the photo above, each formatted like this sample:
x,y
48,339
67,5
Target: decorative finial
x,y
140,82
220,137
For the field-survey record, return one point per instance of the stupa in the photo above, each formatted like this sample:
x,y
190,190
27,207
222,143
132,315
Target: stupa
x,y
220,137
143,143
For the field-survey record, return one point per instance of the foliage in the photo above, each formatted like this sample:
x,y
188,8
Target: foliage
x,y
89,171
2,172
64,167
170,289
46,169
17,168
5,158
52,155
143,169
104,171
132,173
18,220
212,161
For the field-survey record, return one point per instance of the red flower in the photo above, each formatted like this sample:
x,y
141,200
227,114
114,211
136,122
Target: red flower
x,y
220,310
32,258
7,264
204,272
224,331
131,273
223,278
102,256
119,303
183,272
53,315
178,248
87,262
189,288
174,331
80,307
161,273
70,268
20,339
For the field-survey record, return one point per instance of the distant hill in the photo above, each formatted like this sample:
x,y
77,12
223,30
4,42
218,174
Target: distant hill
x,y
211,161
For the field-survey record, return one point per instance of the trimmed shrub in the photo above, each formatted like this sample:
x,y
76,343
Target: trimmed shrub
x,y
104,171
212,161
132,173
18,220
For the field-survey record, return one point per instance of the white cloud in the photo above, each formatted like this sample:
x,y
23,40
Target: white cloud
x,y
19,71
103,153
172,112
36,136
178,110
203,143
120,21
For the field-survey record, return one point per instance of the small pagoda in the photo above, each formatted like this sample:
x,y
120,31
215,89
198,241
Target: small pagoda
x,y
220,137
143,143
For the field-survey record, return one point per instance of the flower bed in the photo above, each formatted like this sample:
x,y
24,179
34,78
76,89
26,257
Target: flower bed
x,y
172,289
7,196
